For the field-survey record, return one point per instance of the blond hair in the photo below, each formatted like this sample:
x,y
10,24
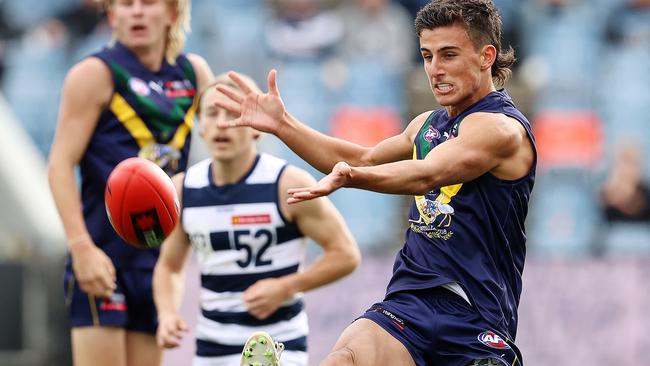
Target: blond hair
x,y
177,33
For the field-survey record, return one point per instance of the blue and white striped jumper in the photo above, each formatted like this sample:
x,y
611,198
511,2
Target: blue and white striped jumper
x,y
240,236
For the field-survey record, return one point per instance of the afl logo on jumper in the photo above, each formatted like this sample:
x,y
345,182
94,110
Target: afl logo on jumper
x,y
431,134
139,87
493,340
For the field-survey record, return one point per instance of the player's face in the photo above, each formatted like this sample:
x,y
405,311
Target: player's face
x,y
455,68
224,144
140,23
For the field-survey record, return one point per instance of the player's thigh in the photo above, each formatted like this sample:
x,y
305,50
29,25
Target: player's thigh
x,y
364,343
141,349
98,346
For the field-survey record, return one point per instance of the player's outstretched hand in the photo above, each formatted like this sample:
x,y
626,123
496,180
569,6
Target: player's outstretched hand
x,y
93,269
170,330
264,112
340,175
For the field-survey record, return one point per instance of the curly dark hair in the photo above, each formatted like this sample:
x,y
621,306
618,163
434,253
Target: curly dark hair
x,y
482,21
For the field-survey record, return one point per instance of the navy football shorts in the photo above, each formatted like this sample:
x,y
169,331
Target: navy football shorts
x,y
131,306
440,328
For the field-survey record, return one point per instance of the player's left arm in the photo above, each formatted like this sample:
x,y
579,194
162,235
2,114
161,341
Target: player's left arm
x,y
320,221
486,142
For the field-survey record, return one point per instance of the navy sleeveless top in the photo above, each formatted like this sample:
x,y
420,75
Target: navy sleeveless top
x,y
149,115
470,233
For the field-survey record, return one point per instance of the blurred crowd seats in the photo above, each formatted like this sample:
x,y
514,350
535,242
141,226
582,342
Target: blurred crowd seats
x,y
583,78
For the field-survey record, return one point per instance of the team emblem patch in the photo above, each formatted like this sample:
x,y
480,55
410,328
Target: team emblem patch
x,y
431,134
493,340
166,157
139,87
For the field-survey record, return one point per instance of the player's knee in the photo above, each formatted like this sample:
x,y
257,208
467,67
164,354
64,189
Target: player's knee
x,y
341,357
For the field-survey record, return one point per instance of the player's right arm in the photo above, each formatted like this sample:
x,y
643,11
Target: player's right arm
x,y
86,91
266,112
168,280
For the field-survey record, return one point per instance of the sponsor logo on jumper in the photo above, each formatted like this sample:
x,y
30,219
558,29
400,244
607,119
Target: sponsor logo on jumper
x,y
251,219
156,86
493,340
179,88
139,87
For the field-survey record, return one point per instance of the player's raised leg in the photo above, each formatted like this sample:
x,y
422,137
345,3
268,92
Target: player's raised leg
x,y
261,350
89,342
364,343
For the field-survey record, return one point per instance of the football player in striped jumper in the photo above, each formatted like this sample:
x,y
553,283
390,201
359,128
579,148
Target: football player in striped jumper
x,y
135,97
470,166
250,245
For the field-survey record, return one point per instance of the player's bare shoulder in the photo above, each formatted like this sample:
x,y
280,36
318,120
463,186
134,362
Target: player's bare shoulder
x,y
202,70
503,131
506,138
90,79
294,177
416,124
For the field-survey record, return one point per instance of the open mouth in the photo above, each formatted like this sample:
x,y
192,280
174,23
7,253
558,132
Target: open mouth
x,y
221,140
138,28
444,88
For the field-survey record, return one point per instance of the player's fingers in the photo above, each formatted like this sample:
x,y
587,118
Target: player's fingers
x,y
111,275
228,105
265,314
231,123
239,81
96,288
292,200
107,280
249,297
182,325
293,191
160,340
273,82
171,342
255,305
177,328
173,333
110,268
90,287
230,93
262,312
256,312
305,195
104,292
166,337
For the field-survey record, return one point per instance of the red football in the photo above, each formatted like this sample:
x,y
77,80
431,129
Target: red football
x,y
141,202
